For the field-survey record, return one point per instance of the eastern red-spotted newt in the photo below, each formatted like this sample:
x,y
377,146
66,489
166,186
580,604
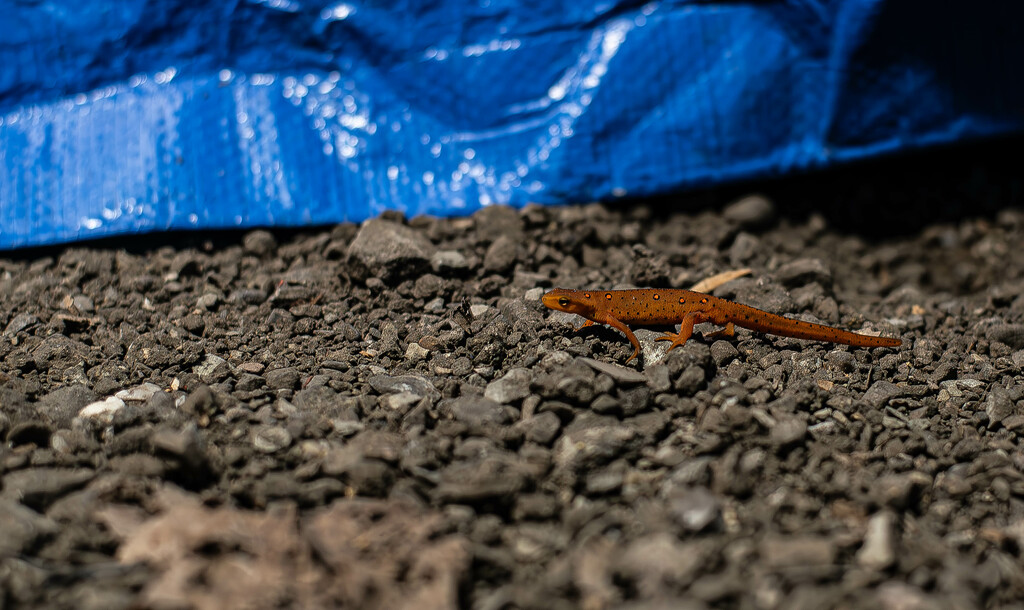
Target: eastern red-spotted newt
x,y
660,307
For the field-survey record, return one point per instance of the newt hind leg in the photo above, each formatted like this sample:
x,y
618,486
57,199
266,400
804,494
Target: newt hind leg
x,y
728,331
685,331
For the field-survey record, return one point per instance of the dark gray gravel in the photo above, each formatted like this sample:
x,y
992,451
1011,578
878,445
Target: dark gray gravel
x,y
385,416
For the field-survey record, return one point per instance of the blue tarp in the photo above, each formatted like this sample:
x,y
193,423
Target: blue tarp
x,y
126,116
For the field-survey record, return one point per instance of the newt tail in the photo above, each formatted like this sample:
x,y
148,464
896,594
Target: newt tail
x,y
660,307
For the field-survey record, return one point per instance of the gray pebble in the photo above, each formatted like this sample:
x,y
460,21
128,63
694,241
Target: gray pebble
x,y
19,323
22,526
449,262
1009,334
501,255
804,271
788,431
282,379
510,387
414,384
695,508
881,392
617,372
40,487
798,551
475,411
723,352
878,551
999,405
751,211
541,428
259,242
271,439
388,250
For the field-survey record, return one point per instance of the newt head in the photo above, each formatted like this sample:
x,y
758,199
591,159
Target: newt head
x,y
578,302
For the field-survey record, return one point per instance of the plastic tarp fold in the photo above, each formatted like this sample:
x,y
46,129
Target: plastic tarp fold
x,y
126,116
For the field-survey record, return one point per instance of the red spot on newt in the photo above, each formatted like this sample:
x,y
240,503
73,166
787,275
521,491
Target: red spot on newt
x,y
623,307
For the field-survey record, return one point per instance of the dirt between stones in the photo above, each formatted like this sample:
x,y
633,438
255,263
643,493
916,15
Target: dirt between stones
x,y
384,416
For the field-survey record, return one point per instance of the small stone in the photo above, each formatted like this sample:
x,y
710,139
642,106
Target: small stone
x,y
449,262
40,487
605,403
103,410
633,400
63,404
415,352
954,485
501,255
493,221
534,294
20,322
249,296
618,373
511,387
414,384
388,250
899,491
427,286
535,506
475,411
798,551
21,526
541,428
254,368
723,352
895,595
880,393
878,551
493,478
282,379
695,508
803,271
1013,422
1009,334
999,405
658,378
743,248
185,443
259,242
691,381
206,302
271,439
788,431
200,402
751,211
248,382
588,442
139,393
479,309
212,369
401,401
603,482
346,428
659,560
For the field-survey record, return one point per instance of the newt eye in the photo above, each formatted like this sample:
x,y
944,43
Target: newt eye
x,y
563,302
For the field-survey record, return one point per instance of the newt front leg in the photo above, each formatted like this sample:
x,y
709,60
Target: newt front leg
x,y
610,321
685,331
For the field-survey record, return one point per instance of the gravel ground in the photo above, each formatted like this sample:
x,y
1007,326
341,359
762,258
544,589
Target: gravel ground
x,y
385,416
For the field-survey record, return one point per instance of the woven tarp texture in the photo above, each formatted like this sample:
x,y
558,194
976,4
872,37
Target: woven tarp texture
x,y
132,116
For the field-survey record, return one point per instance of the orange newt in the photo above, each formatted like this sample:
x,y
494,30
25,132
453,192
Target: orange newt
x,y
663,306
